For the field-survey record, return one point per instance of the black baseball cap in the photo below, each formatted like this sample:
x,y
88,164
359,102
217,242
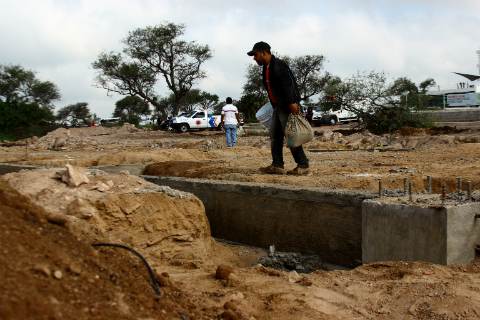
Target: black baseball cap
x,y
259,46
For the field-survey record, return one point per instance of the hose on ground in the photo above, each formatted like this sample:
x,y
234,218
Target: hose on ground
x,y
155,284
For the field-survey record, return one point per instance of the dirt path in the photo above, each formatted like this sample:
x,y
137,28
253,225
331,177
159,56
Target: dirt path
x,y
50,226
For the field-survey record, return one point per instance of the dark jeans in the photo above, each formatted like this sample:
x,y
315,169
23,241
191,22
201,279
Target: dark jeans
x,y
277,134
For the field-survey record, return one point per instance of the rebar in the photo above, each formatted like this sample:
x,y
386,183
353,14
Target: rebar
x,y
410,191
469,190
444,194
459,185
429,185
380,188
405,184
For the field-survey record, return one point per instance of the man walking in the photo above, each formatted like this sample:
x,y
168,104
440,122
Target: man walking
x,y
229,120
283,94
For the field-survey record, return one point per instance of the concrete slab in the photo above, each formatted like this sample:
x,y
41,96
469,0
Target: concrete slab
x,y
440,234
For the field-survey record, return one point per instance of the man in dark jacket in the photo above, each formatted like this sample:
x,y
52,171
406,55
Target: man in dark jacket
x,y
284,96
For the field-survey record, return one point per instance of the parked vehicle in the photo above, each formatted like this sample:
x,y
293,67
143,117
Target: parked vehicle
x,y
107,120
198,119
144,122
343,115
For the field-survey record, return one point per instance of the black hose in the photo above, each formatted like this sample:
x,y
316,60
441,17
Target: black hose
x,y
155,284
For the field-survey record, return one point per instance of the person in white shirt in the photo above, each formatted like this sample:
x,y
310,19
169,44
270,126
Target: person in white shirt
x,y
230,119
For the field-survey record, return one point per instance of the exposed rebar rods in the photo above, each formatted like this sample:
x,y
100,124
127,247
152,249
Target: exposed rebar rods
x,y
429,185
405,185
380,188
444,194
469,191
410,191
459,185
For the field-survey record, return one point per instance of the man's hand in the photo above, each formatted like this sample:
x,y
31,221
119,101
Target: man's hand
x,y
294,109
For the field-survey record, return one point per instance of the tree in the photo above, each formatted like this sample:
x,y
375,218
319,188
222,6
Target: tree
x,y
74,112
250,103
308,72
131,109
382,105
207,100
21,86
25,101
150,53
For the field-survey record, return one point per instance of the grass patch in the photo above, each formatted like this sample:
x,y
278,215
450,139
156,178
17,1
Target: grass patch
x,y
256,133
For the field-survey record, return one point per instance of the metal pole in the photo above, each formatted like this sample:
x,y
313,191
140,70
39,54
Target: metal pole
x,y
444,196
410,191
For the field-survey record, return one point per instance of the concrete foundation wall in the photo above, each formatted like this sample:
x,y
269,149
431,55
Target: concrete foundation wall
x,y
305,220
442,235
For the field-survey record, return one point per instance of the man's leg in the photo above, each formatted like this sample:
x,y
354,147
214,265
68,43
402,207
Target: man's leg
x,y
277,133
227,133
297,153
234,135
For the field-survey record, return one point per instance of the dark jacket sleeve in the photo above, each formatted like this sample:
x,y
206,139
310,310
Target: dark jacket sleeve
x,y
287,82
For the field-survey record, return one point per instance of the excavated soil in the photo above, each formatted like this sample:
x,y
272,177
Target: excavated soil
x,y
49,269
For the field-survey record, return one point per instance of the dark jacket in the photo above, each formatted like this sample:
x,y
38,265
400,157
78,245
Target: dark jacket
x,y
282,83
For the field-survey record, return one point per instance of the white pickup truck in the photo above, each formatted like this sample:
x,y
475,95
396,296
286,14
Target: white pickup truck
x,y
198,119
343,115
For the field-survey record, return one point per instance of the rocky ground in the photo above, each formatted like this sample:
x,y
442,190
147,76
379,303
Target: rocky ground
x,y
50,217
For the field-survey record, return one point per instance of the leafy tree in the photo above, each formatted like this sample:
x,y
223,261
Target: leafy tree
x,y
74,112
18,114
208,100
250,103
150,53
426,84
21,86
308,72
131,109
25,101
382,105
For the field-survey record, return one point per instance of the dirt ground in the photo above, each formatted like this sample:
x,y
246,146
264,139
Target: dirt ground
x,y
47,223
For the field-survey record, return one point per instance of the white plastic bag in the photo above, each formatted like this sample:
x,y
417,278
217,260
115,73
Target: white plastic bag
x,y
240,130
297,131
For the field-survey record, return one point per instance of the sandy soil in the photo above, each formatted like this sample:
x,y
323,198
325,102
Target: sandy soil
x,y
52,272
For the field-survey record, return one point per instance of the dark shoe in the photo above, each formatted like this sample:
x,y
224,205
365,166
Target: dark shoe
x,y
299,171
272,170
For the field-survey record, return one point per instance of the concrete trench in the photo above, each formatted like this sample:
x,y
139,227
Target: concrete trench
x,y
343,227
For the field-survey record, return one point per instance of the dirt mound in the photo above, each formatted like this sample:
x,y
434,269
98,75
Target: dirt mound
x,y
156,221
49,273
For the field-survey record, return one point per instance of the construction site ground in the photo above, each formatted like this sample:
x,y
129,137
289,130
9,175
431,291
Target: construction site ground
x,y
50,271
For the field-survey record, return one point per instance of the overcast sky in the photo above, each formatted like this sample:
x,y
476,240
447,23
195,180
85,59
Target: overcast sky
x,y
416,39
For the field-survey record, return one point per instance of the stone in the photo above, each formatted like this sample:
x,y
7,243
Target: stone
x,y
102,187
75,269
43,269
229,306
229,315
58,274
237,296
124,172
74,177
80,208
232,280
294,277
223,271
